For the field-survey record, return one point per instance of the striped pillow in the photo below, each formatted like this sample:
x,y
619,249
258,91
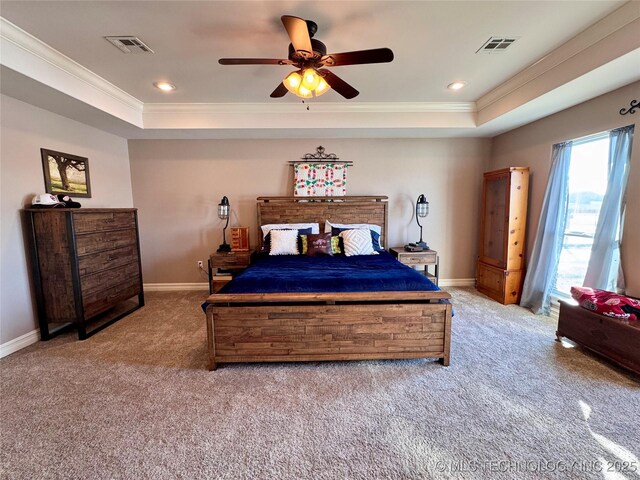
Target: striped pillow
x,y
357,242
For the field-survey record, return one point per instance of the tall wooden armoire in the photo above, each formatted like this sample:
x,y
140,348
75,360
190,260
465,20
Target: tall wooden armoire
x,y
502,234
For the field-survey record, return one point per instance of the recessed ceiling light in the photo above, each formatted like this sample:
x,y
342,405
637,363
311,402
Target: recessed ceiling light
x,y
456,85
165,86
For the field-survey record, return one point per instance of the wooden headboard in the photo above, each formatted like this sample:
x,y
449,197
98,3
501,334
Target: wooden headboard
x,y
318,209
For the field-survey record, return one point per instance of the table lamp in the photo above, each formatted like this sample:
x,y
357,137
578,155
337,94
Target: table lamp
x,y
422,210
223,214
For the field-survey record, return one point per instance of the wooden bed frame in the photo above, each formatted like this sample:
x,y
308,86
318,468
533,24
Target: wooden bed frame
x,y
283,327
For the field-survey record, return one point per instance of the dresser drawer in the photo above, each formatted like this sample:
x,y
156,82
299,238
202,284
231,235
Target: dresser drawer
x,y
100,300
231,261
109,278
100,221
97,262
417,258
101,241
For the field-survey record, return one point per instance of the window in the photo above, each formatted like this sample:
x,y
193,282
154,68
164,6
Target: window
x,y
588,172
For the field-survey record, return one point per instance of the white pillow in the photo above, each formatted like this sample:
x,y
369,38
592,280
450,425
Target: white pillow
x,y
284,242
370,226
315,227
357,242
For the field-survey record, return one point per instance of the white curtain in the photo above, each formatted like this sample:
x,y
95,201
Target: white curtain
x,y
543,266
604,263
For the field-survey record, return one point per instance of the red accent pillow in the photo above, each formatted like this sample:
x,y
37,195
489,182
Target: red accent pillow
x,y
319,244
606,303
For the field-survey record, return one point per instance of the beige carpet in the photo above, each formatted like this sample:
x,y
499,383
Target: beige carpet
x,y
135,401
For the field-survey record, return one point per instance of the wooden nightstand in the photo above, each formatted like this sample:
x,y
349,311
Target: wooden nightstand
x,y
223,266
426,258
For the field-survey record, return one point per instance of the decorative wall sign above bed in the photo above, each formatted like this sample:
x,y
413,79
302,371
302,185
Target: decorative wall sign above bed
x,y
632,108
320,174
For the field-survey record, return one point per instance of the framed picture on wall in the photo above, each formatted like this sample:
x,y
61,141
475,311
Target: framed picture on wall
x,y
65,173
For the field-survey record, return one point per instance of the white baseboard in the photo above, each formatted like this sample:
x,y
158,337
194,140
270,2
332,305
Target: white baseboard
x,y
171,287
18,343
457,282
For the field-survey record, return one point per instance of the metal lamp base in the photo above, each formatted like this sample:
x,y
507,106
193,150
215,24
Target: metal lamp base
x,y
423,245
224,248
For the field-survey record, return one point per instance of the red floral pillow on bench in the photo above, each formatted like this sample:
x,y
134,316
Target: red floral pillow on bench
x,y
607,303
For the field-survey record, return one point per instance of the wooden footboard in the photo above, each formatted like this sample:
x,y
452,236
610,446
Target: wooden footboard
x,y
338,326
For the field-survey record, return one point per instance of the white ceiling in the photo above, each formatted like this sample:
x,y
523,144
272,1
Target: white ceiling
x,y
434,44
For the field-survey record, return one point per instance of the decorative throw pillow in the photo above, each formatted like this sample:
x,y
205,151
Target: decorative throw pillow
x,y
266,243
371,226
375,236
335,245
284,242
607,303
357,242
319,244
315,227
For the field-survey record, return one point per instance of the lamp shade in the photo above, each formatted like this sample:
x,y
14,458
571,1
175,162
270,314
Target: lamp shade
x,y
293,82
223,208
310,79
422,206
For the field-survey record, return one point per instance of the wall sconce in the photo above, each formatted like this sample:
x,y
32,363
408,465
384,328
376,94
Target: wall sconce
x,y
223,213
422,210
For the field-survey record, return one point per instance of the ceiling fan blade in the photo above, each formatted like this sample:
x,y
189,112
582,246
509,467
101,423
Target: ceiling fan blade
x,y
254,61
376,55
339,85
298,33
280,91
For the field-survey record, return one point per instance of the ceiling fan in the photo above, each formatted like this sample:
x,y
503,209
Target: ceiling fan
x,y
309,55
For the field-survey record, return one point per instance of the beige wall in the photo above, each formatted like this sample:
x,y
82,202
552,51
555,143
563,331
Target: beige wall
x,y
530,146
24,130
177,185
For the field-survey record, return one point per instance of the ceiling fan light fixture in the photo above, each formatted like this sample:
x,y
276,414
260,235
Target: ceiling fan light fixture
x,y
293,81
310,79
322,88
306,84
304,92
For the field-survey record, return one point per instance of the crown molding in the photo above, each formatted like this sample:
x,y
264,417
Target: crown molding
x,y
612,23
325,107
34,49
320,116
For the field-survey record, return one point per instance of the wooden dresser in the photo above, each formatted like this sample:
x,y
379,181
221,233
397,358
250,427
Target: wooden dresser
x,y
86,267
502,234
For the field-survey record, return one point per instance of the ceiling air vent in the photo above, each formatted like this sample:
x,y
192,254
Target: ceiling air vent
x,y
497,44
129,44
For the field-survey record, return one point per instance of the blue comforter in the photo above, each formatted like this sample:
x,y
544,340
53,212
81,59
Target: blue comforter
x,y
300,273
